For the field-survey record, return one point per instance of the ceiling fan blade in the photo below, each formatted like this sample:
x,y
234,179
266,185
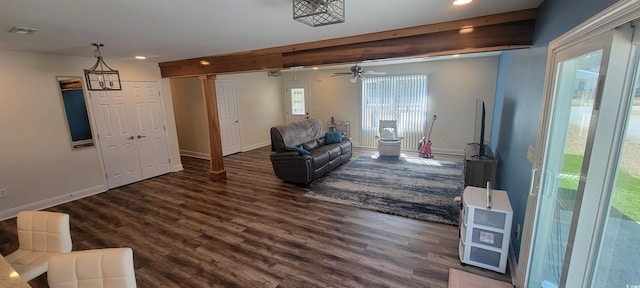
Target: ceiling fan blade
x,y
374,73
341,73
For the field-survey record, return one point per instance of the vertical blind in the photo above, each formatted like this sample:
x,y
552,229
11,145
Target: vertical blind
x,y
400,98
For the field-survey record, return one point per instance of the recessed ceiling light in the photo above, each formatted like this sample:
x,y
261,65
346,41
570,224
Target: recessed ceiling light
x,y
455,55
461,2
23,30
141,57
315,68
204,62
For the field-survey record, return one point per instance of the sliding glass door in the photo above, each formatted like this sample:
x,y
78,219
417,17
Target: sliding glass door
x,y
573,197
576,84
617,259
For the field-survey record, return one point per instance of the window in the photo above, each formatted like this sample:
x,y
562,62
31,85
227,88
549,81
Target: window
x,y
298,106
400,98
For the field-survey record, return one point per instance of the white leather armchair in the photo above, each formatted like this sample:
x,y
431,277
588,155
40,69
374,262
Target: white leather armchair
x,y
41,235
104,268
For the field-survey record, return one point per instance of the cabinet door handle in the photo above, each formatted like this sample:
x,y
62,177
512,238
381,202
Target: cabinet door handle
x,y
131,138
140,136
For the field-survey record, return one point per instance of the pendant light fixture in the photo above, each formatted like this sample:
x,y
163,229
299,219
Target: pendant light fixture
x,y
101,77
318,12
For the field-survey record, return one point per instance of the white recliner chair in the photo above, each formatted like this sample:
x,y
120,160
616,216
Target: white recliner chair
x,y
388,142
99,268
41,235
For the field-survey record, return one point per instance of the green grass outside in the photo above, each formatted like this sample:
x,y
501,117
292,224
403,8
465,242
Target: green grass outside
x,y
626,198
578,102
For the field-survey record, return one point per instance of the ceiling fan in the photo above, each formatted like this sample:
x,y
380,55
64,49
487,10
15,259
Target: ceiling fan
x,y
357,72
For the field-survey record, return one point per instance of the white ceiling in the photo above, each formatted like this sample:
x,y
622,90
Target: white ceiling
x,y
165,30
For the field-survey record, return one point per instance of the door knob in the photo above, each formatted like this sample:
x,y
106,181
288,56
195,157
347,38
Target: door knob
x,y
236,121
140,136
130,137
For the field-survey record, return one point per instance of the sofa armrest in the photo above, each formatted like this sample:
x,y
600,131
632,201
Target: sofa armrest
x,y
293,167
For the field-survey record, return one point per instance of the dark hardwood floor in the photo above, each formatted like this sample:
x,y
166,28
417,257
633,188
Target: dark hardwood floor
x,y
253,230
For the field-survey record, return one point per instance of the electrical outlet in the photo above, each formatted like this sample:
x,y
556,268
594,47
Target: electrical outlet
x,y
3,192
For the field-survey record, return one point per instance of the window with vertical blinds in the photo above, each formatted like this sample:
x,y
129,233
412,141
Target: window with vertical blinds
x,y
400,98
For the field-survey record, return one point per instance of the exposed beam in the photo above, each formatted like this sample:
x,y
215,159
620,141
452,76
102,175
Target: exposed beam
x,y
485,38
490,33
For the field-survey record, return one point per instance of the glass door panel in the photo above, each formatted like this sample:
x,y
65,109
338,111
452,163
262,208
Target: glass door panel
x,y
575,88
297,98
617,261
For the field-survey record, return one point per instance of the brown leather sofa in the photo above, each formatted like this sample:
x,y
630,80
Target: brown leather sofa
x,y
307,135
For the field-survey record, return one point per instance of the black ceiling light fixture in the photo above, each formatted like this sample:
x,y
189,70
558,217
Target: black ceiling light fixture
x,y
101,77
318,12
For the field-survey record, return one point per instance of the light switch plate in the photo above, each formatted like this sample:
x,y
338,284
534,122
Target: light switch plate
x,y
530,154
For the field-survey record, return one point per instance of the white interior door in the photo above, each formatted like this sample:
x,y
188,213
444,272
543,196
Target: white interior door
x,y
131,131
226,93
151,138
297,99
117,137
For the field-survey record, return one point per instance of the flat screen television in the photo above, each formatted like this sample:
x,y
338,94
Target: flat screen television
x,y
480,129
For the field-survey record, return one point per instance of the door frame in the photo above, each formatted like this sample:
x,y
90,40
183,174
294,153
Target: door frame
x,y
616,15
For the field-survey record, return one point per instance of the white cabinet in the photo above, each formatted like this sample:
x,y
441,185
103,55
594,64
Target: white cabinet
x,y
485,231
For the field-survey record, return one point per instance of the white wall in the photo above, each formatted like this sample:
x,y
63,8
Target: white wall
x,y
454,86
191,117
260,107
37,165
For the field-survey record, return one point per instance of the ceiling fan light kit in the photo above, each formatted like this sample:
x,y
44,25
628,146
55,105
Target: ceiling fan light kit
x,y
318,12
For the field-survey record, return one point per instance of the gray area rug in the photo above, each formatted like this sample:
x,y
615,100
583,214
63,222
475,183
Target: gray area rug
x,y
407,186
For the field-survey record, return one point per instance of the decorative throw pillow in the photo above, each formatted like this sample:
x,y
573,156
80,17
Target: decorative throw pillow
x,y
300,150
333,137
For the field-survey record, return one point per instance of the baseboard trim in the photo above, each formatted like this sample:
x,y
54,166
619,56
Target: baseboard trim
x,y
46,203
448,151
255,146
194,154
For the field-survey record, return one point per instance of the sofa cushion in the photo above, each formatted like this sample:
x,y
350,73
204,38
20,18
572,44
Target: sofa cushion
x,y
345,146
302,151
320,157
313,144
295,134
333,137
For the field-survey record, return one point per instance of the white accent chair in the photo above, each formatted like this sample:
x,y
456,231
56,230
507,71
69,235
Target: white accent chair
x,y
103,268
388,142
41,235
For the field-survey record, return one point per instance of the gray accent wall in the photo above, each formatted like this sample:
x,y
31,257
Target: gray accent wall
x,y
518,99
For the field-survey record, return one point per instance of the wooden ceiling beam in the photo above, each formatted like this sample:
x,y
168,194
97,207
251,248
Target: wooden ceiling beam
x,y
490,33
499,35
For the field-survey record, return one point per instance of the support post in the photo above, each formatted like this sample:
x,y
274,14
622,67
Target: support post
x,y
217,171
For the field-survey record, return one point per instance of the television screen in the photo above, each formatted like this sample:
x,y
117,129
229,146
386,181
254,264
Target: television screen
x,y
479,127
